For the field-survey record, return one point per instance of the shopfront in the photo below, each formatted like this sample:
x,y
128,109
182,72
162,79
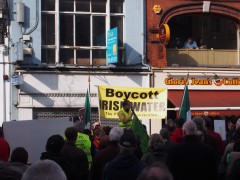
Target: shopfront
x,y
211,92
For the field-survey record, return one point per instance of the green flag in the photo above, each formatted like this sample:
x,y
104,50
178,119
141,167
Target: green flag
x,y
141,133
87,115
185,111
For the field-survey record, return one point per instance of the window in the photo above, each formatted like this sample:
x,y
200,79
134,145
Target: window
x,y
74,31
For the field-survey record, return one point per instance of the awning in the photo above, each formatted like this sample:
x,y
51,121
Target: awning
x,y
201,100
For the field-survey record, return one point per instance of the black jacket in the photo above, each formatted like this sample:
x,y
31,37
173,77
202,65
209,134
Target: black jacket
x,y
69,169
77,157
192,160
125,166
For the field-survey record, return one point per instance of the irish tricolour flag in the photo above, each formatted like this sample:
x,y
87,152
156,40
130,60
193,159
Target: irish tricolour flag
x,y
185,111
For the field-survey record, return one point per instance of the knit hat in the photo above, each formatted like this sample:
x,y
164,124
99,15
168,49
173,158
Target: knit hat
x,y
128,140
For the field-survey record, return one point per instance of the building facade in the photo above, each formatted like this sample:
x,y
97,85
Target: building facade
x,y
56,50
211,69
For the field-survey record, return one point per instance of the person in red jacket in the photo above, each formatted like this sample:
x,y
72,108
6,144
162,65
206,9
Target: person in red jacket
x,y
4,148
177,135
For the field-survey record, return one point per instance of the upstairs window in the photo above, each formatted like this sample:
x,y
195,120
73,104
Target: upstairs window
x,y
74,31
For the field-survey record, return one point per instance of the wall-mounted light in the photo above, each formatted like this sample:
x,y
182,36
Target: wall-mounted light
x,y
157,9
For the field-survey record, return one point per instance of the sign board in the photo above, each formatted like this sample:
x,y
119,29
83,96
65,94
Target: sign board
x,y
220,127
112,46
164,34
148,103
33,134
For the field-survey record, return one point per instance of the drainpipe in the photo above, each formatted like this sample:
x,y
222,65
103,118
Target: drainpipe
x,y
144,59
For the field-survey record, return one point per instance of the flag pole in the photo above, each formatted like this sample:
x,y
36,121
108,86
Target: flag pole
x,y
89,92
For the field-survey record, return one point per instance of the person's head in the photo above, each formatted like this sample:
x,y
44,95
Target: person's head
x,y
208,122
87,132
44,169
96,125
98,133
55,144
170,125
103,142
155,139
19,154
190,40
128,142
71,134
189,128
200,123
126,105
232,122
157,171
238,124
75,119
115,134
107,130
79,125
165,133
179,122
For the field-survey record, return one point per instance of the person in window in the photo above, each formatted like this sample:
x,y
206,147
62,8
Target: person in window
x,y
125,115
190,44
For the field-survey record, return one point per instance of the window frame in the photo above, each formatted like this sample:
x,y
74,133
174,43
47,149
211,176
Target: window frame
x,y
57,46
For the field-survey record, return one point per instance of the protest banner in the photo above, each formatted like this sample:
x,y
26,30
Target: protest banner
x,y
148,103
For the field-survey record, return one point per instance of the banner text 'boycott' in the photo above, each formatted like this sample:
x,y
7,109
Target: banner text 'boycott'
x,y
134,95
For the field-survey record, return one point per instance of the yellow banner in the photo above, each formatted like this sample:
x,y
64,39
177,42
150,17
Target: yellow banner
x,y
148,103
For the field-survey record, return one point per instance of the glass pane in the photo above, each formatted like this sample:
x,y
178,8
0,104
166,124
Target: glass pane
x,y
116,6
66,5
117,21
48,29
83,30
66,30
48,56
67,56
83,5
83,57
99,57
99,6
48,5
99,32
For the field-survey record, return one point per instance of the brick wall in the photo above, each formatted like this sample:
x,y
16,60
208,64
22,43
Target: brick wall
x,y
156,53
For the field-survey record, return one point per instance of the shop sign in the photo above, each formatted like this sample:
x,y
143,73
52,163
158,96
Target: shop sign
x,y
164,34
207,81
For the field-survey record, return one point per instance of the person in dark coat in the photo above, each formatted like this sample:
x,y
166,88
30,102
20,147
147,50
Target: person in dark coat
x,y
157,151
235,173
192,159
207,139
54,147
125,166
166,136
74,155
106,155
19,159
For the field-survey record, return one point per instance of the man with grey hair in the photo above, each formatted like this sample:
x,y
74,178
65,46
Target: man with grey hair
x,y
44,169
207,138
192,159
106,155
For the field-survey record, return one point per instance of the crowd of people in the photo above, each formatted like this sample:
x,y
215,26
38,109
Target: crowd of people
x,y
188,150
